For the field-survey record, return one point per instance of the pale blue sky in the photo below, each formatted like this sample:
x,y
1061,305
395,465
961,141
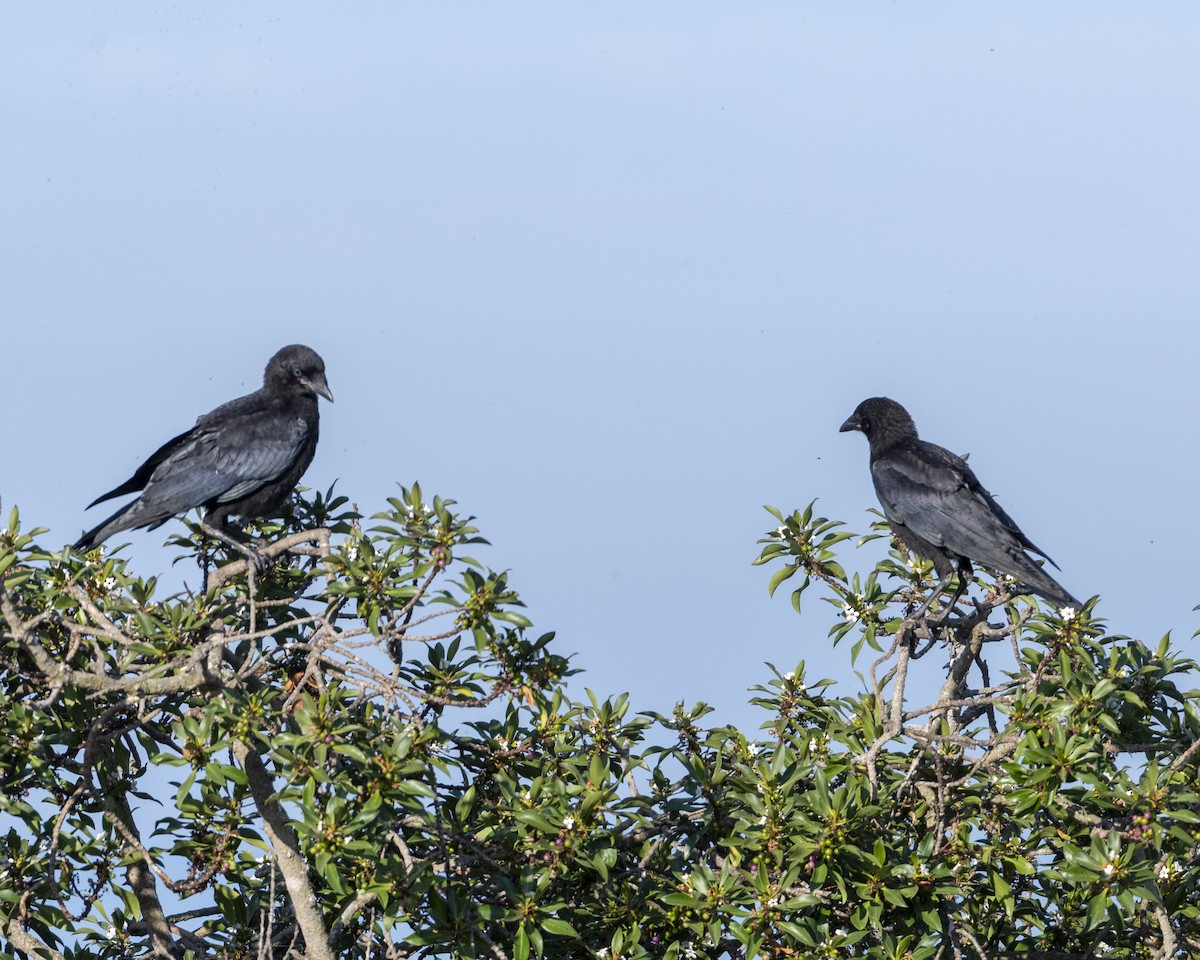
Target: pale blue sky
x,y
611,275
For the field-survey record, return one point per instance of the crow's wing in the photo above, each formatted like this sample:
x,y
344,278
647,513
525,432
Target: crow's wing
x,y
935,494
930,490
225,460
146,470
227,412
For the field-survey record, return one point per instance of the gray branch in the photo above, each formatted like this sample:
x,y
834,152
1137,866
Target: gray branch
x,y
286,848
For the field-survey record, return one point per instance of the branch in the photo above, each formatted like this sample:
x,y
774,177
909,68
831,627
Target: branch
x,y
289,544
286,848
16,934
140,875
1183,758
353,909
141,882
893,723
58,674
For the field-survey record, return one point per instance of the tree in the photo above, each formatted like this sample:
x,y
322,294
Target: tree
x,y
368,753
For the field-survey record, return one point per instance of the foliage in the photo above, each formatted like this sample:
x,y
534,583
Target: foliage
x,y
366,752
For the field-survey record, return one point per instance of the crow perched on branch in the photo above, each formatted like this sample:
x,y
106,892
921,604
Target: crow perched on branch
x,y
940,511
242,459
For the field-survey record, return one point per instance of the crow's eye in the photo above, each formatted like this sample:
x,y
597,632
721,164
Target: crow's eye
x,y
297,372
864,424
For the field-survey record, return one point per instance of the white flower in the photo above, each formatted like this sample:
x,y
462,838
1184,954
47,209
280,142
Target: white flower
x,y
110,584
111,933
568,823
790,675
352,552
1109,868
1067,613
849,613
781,533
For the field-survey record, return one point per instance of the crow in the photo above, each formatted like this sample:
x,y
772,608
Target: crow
x,y
242,459
939,510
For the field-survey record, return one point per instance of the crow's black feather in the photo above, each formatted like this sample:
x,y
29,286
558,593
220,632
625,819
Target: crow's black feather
x,y
938,508
242,459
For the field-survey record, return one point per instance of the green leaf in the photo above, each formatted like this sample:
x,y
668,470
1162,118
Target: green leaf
x,y
557,927
780,576
535,819
521,944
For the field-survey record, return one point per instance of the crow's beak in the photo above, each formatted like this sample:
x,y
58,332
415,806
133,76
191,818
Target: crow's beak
x,y
318,384
851,424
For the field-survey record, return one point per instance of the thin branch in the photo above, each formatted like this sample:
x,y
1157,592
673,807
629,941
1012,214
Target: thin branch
x,y
353,909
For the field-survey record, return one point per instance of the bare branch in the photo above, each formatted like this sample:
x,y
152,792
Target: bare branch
x,y
289,544
286,847
19,936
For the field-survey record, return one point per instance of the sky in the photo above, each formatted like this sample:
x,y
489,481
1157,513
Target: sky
x,y
612,275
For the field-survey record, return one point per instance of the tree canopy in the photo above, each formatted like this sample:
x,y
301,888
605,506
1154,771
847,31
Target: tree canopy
x,y
369,752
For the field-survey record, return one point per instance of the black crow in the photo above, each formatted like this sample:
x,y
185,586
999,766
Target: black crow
x,y
940,511
242,459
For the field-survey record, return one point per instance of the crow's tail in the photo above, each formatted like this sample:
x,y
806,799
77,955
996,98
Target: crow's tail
x,y
1035,577
114,524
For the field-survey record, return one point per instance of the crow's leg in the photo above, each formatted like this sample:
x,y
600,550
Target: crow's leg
x,y
965,575
218,531
942,584
204,566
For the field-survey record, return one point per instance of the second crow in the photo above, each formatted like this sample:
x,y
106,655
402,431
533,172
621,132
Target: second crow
x,y
937,507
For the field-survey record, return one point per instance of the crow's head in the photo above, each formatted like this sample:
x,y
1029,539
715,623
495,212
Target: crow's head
x,y
884,422
297,368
